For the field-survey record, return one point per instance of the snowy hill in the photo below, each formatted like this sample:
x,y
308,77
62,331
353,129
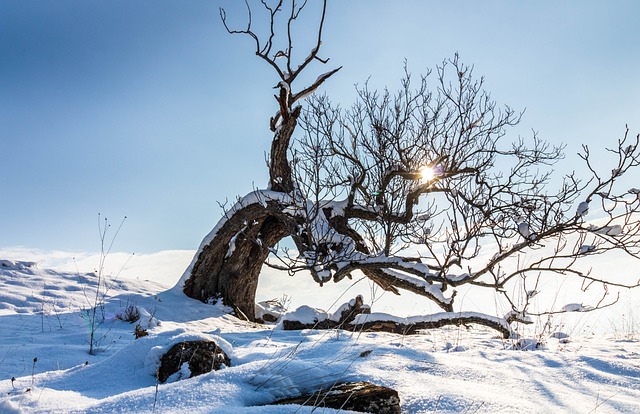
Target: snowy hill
x,y
45,365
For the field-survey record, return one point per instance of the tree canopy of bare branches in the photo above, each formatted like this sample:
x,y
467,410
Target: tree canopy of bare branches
x,y
420,189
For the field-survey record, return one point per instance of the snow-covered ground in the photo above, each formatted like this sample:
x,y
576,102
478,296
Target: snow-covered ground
x,y
45,365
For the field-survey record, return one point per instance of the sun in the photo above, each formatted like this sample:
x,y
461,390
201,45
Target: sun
x,y
427,173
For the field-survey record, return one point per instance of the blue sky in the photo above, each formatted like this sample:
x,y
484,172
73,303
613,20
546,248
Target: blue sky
x,y
150,109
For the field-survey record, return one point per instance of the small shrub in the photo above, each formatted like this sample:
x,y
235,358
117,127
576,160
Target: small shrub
x,y
130,314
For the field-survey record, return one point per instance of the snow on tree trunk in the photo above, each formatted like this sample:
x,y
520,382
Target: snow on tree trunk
x,y
232,275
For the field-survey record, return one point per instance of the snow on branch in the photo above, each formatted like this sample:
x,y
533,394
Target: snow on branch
x,y
413,324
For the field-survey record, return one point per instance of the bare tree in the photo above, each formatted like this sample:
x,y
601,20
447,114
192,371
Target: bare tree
x,y
420,190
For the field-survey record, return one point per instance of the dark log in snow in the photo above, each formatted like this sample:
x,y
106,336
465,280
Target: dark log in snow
x,y
413,325
354,396
379,322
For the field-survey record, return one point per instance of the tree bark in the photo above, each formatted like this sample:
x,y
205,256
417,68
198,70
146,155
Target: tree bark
x,y
409,328
229,266
414,328
279,168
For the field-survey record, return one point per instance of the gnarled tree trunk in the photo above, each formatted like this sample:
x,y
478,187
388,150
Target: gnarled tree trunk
x,y
228,266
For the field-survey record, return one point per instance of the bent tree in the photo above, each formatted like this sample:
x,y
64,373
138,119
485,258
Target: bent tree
x,y
420,190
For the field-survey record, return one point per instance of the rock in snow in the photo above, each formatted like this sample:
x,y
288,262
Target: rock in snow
x,y
191,358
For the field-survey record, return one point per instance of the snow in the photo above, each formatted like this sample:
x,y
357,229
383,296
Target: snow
x,y
523,229
285,86
335,317
615,230
254,197
583,209
452,370
232,244
305,95
433,290
576,307
587,248
273,307
306,315
519,316
183,373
